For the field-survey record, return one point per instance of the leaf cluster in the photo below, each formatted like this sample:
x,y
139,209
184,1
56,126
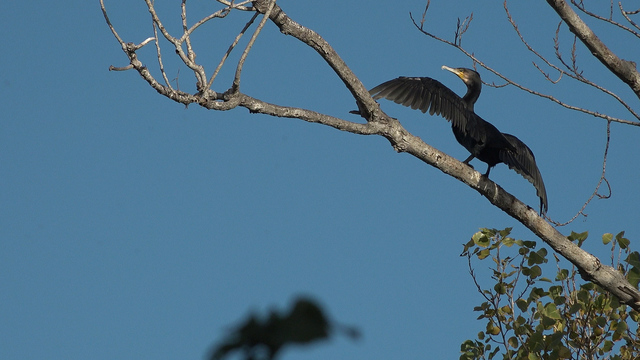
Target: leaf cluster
x,y
529,316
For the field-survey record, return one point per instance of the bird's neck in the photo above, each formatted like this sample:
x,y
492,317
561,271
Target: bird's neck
x,y
473,92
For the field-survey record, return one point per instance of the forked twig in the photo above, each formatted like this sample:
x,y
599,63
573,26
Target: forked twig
x,y
580,6
627,13
243,57
239,6
572,73
519,86
461,28
231,47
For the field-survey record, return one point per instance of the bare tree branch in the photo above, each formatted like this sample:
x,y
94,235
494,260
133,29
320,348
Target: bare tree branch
x,y
580,6
378,123
518,85
231,47
239,6
624,70
596,192
573,72
243,57
626,15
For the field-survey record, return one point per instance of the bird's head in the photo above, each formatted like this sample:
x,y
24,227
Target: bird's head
x,y
470,77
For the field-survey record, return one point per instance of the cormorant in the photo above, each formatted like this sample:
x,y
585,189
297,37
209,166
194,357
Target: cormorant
x,y
483,140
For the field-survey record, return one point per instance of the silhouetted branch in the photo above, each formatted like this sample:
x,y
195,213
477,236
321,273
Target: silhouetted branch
x,y
305,323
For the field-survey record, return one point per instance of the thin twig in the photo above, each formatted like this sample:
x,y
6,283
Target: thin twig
x,y
573,71
462,28
549,97
521,87
159,55
596,192
243,57
177,43
473,276
381,124
122,68
626,15
222,13
231,47
609,20
113,30
239,6
183,14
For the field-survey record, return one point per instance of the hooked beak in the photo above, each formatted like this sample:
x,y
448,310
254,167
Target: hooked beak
x,y
455,71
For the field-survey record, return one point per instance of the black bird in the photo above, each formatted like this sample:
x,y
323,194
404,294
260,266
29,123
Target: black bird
x,y
483,140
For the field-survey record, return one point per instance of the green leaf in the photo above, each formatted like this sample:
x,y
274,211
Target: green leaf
x,y
483,254
508,242
588,286
564,352
481,239
505,232
584,296
535,272
522,304
606,238
537,293
467,246
533,356
575,308
535,258
551,311
633,276
622,241
579,237
563,274
608,345
494,352
548,322
500,288
555,291
633,259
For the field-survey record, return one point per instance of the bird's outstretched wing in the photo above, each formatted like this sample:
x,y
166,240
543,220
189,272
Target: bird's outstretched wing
x,y
425,94
523,162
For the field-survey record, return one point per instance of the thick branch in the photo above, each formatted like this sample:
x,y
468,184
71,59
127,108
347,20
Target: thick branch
x,y
590,266
402,141
625,70
289,27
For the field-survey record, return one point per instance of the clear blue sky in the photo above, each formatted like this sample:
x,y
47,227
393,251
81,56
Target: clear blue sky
x,y
133,228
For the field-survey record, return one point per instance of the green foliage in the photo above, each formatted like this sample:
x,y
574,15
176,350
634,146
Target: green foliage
x,y
532,317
